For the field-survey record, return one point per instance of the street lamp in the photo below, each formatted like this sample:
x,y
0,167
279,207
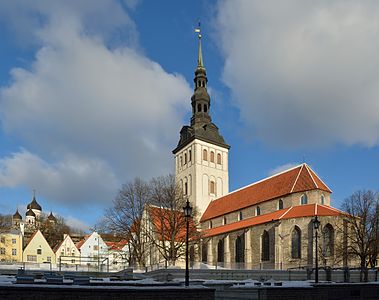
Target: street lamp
x,y
316,225
187,213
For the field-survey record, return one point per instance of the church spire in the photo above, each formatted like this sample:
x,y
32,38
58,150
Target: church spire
x,y
200,53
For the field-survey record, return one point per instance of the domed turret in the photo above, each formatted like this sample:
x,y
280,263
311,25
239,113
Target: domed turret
x,y
30,213
34,205
51,218
30,217
17,216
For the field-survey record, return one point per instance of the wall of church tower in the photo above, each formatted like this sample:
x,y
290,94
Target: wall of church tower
x,y
201,170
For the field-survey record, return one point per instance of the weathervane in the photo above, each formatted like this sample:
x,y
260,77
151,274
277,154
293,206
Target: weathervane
x,y
200,54
198,30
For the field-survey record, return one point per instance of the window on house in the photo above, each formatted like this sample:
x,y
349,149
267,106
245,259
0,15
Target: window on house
x,y
210,224
219,158
48,258
31,258
39,251
2,250
328,240
205,154
322,199
296,243
95,247
199,108
304,199
280,204
265,246
181,161
13,241
240,216
220,251
2,240
185,188
212,187
189,155
257,211
14,252
240,248
224,222
205,108
185,158
212,156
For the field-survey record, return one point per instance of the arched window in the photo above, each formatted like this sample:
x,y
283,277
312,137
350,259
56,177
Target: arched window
x,y
189,155
205,108
205,154
204,252
219,158
265,246
220,251
181,161
212,187
322,199
257,211
303,199
185,188
212,157
280,204
199,108
240,216
328,240
296,243
185,158
240,248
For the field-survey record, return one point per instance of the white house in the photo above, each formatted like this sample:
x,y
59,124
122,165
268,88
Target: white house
x,y
67,252
93,250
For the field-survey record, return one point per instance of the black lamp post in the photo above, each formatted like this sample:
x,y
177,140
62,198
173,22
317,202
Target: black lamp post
x,y
187,213
316,225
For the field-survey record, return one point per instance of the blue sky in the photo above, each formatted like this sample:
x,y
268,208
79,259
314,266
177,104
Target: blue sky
x,y
94,93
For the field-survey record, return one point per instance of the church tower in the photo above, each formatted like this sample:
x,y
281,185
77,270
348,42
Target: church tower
x,y
201,156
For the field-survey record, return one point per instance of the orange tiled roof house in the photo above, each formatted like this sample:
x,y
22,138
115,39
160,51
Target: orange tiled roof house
x,y
267,224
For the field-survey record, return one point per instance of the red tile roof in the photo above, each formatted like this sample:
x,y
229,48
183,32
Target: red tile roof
x,y
297,179
309,210
163,218
117,246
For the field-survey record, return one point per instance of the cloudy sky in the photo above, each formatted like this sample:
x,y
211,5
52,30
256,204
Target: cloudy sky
x,y
94,93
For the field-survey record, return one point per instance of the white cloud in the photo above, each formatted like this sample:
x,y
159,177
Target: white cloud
x,y
282,168
77,224
304,73
89,114
69,181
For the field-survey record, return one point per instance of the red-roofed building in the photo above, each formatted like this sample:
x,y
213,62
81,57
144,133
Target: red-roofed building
x,y
269,224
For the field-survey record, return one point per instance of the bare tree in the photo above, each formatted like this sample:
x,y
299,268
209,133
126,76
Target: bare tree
x,y
5,222
362,237
168,223
53,231
124,218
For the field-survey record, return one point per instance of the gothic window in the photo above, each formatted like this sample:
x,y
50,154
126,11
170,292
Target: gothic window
x,y
220,251
257,211
205,154
185,188
322,199
181,161
328,240
296,243
212,187
280,204
219,158
185,158
212,157
199,108
303,199
265,246
189,155
240,248
204,252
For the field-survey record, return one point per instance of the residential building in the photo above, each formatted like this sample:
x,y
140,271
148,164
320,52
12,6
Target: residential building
x,y
67,252
38,250
11,246
93,249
